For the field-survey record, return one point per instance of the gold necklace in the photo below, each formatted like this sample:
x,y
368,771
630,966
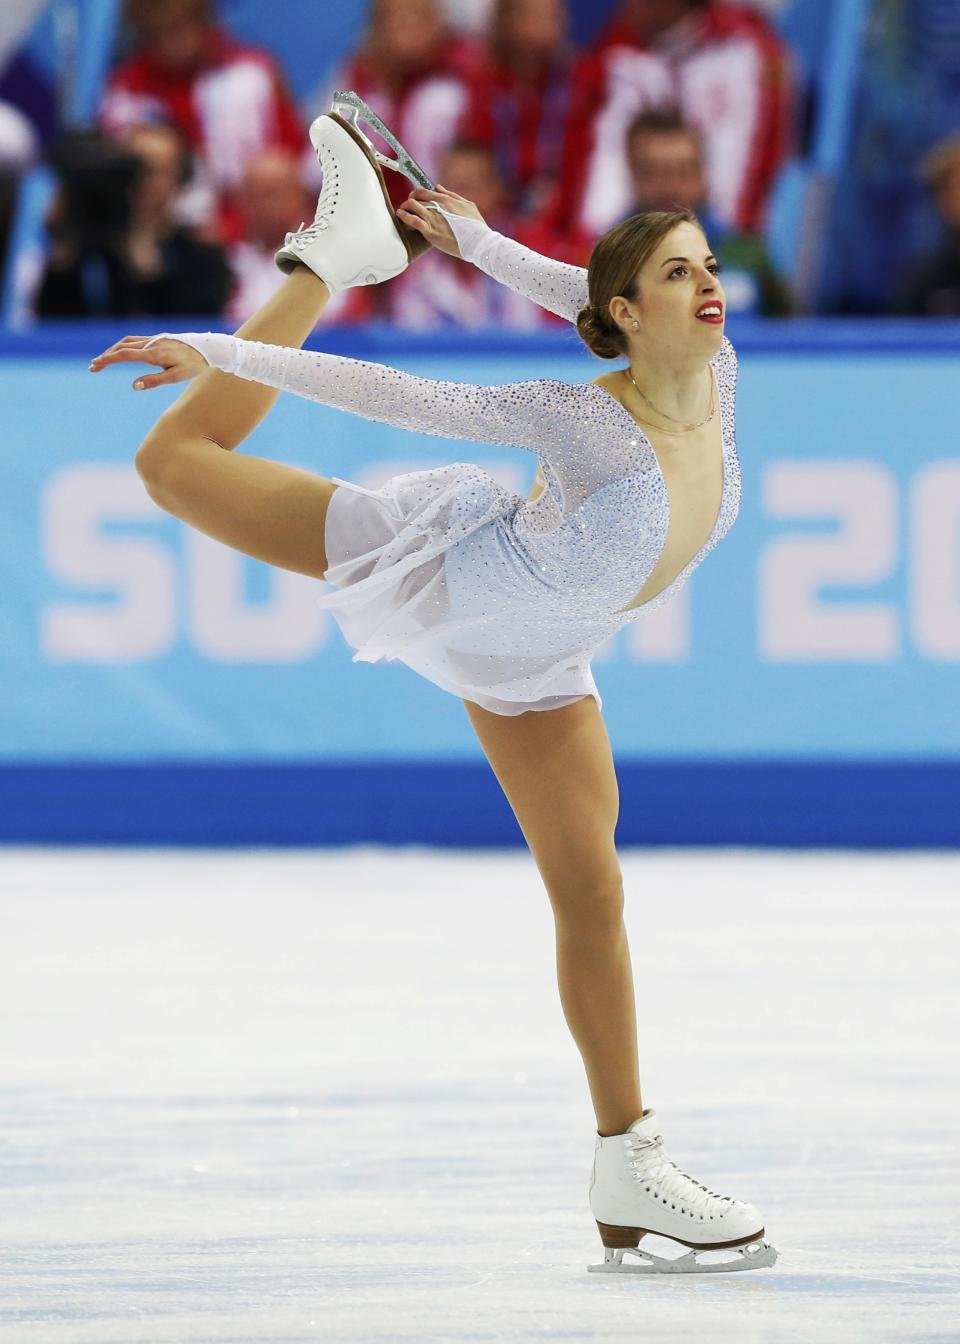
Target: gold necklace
x,y
686,428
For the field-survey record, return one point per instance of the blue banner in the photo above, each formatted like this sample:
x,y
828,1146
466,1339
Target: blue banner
x,y
825,626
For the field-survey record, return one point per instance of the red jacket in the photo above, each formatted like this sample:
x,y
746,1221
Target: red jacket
x,y
424,113
234,105
728,73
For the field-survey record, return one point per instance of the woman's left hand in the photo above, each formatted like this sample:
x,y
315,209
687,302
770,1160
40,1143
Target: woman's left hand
x,y
179,361
418,213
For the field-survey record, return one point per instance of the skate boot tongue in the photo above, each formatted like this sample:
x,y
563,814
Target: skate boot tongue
x,y
646,1127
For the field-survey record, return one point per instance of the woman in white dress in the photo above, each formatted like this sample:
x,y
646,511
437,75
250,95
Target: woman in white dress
x,y
494,597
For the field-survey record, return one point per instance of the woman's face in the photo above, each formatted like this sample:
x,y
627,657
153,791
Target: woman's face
x,y
676,281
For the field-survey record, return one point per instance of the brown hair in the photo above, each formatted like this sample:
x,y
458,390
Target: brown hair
x,y
660,121
615,263
135,12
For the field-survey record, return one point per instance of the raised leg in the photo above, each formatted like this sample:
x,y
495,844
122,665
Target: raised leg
x,y
266,509
556,769
224,408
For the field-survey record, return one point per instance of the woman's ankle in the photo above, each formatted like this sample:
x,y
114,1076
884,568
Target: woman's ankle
x,y
290,313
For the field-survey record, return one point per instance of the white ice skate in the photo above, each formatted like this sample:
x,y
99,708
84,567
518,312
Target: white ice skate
x,y
636,1190
356,237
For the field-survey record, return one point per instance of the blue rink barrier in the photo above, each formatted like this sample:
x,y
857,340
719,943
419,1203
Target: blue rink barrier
x,y
906,804
156,687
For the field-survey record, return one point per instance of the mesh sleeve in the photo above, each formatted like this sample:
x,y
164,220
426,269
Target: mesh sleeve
x,y
519,415
552,284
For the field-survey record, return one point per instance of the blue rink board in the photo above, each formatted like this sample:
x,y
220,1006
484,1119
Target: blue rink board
x,y
459,803
801,689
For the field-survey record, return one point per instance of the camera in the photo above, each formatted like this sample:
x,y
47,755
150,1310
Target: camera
x,y
97,179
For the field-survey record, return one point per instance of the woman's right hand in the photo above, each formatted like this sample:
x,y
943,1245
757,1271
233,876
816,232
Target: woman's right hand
x,y
416,212
179,361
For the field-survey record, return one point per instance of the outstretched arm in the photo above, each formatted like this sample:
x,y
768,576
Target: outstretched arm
x,y
519,415
551,284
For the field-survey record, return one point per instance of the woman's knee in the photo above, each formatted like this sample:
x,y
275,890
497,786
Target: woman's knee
x,y
591,895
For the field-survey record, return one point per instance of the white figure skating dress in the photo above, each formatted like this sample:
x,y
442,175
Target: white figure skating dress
x,y
498,599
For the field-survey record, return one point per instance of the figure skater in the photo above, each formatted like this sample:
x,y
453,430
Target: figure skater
x,y
498,599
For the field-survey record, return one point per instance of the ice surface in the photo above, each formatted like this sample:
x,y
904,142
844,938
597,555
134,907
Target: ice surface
x,y
292,1096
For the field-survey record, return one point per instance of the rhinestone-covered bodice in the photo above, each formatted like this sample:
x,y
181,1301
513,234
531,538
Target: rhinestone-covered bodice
x,y
587,544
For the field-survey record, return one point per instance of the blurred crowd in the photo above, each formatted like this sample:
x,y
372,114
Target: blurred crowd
x,y
177,200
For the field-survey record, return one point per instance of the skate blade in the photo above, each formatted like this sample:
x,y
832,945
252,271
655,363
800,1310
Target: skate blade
x,y
350,107
757,1255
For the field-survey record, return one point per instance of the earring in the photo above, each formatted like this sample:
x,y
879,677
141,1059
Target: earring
x,y
636,326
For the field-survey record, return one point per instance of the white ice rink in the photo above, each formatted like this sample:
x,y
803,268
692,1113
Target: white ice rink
x,y
292,1096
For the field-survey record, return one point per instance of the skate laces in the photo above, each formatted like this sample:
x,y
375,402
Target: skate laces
x,y
329,193
674,1187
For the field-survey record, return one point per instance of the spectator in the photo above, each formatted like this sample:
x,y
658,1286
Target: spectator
x,y
667,172
412,70
274,200
229,100
439,290
116,249
519,97
931,285
721,65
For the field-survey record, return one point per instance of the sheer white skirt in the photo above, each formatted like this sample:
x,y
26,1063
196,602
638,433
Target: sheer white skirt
x,y
426,572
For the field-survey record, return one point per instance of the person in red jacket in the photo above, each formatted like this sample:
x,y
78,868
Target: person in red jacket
x,y
721,66
520,95
412,69
230,100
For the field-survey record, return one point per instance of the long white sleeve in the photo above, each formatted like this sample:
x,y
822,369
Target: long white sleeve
x,y
552,284
519,415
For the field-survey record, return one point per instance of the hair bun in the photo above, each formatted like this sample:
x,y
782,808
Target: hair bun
x,y
599,333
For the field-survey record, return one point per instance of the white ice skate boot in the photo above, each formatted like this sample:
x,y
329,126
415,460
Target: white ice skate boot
x,y
635,1189
356,237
